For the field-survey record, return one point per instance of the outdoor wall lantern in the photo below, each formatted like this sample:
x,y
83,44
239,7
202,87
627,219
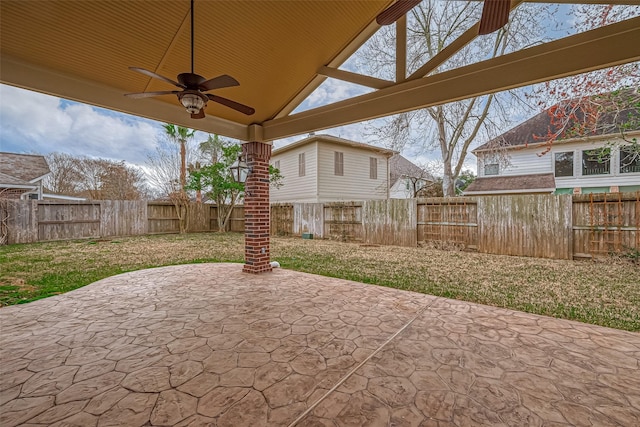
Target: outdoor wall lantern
x,y
240,170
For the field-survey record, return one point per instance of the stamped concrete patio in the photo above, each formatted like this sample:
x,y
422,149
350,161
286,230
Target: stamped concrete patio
x,y
209,345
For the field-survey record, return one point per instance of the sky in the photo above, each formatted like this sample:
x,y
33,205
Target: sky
x,y
31,122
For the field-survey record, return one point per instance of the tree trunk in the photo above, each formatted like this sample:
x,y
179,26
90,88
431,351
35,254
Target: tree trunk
x,y
183,165
448,188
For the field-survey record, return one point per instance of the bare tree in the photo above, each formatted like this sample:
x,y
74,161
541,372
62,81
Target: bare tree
x,y
602,102
65,177
121,182
163,167
97,179
450,129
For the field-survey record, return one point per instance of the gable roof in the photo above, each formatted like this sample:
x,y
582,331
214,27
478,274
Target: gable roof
x,y
509,184
334,140
533,130
22,167
399,166
11,180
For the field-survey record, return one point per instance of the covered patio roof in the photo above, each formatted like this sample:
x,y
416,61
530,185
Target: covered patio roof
x,y
279,51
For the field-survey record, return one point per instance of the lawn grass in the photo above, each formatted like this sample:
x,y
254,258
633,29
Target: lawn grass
x,y
602,293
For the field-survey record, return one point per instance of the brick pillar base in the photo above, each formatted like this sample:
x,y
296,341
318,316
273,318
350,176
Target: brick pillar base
x,y
256,208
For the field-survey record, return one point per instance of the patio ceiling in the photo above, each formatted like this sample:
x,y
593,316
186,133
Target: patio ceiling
x,y
279,51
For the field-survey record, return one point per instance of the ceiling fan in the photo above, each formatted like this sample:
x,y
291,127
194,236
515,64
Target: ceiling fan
x,y
193,87
495,14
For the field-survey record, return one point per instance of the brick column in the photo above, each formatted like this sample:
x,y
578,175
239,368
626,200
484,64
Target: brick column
x,y
256,208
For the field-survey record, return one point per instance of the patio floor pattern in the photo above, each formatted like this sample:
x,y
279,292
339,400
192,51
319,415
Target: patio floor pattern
x,y
206,344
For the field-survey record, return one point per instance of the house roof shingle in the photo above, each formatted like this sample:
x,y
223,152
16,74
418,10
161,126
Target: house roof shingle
x,y
518,183
534,130
22,168
399,166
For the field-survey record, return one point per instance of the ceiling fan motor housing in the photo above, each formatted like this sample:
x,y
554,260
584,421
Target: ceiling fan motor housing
x,y
191,80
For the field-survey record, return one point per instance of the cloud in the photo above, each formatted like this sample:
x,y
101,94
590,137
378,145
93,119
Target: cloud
x,y
32,122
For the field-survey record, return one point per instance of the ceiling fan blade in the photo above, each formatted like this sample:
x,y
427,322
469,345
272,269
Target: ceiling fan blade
x,y
218,82
495,15
396,11
150,94
244,109
157,76
199,114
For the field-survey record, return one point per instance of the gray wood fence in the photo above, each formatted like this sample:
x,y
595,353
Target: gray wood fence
x,y
546,226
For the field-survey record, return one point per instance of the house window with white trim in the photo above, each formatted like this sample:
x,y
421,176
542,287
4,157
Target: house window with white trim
x,y
491,169
564,164
301,165
373,168
596,161
338,163
629,160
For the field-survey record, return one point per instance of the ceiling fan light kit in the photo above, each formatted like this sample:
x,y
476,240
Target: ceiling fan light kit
x,y
193,86
192,100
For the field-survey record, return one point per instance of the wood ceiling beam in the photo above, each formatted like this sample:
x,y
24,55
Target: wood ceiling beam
x,y
33,77
600,48
356,78
401,49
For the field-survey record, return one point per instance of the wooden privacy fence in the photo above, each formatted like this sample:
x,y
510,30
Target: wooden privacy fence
x,y
546,226
32,221
606,223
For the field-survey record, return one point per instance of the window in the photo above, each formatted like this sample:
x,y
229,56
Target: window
x,y
491,169
338,163
564,164
301,165
276,164
373,168
629,160
596,162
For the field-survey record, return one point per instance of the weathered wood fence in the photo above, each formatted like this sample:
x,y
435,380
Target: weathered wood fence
x,y
546,226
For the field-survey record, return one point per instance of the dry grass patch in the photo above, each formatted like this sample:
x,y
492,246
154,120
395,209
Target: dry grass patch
x,y
603,293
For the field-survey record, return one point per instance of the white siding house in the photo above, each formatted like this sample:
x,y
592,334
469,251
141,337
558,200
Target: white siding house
x,y
324,168
523,164
406,179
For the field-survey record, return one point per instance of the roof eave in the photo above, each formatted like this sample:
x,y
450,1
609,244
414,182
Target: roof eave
x,y
632,134
514,191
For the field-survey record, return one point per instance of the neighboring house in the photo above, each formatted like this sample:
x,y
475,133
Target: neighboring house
x,y
406,180
21,175
324,168
518,161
